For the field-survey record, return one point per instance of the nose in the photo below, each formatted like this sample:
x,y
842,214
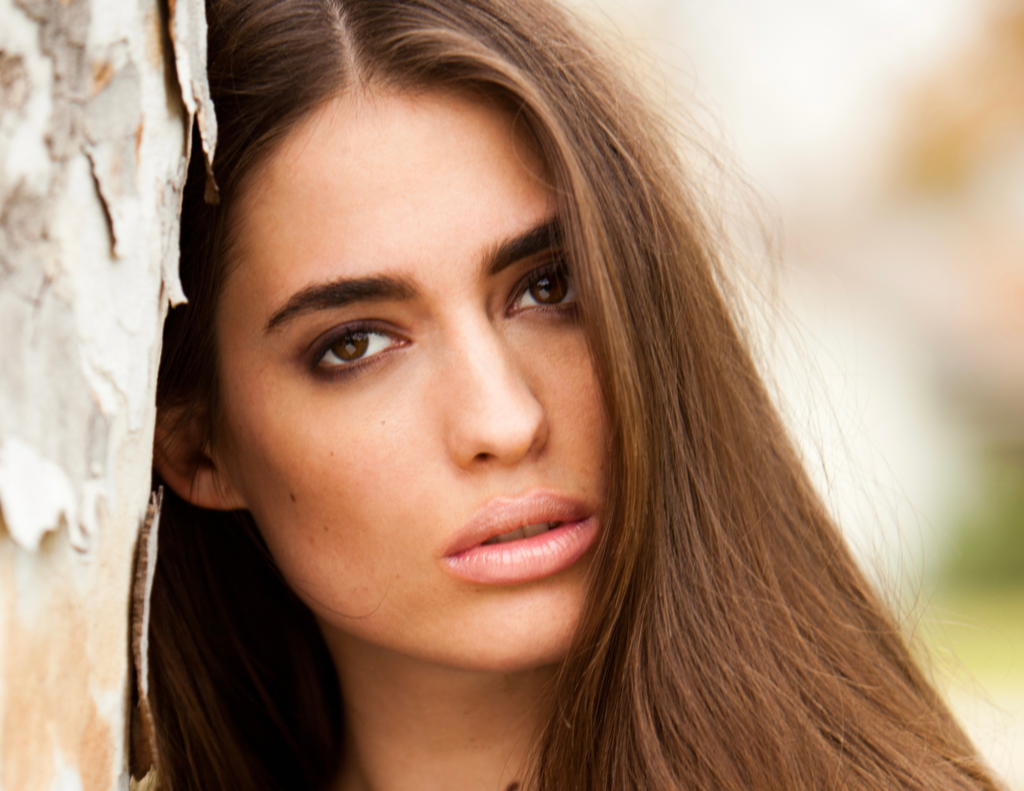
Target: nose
x,y
491,414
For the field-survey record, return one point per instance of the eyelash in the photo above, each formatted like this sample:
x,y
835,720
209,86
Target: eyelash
x,y
363,329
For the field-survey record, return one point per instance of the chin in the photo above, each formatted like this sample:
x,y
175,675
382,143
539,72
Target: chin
x,y
530,653
499,630
532,631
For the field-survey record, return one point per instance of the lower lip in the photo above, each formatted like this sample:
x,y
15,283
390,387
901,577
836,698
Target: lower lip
x,y
525,559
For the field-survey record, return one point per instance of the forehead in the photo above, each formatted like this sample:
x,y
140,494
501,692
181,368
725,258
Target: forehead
x,y
416,185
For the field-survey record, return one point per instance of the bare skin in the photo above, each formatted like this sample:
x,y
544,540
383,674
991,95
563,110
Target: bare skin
x,y
366,427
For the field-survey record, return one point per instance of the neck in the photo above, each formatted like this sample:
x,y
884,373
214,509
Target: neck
x,y
415,724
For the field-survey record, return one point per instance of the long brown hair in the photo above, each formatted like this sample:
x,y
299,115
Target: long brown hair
x,y
730,641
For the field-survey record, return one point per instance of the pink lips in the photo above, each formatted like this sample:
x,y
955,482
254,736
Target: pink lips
x,y
523,559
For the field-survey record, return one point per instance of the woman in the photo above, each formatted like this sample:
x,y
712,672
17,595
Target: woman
x,y
475,484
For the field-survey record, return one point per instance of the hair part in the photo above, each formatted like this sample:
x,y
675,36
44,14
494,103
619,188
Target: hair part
x,y
732,642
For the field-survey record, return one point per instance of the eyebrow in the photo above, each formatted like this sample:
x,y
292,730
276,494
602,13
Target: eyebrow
x,y
546,236
339,293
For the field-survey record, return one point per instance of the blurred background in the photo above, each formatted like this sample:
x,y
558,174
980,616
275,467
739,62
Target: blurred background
x,y
885,139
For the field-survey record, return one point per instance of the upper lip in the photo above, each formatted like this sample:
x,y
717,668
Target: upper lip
x,y
504,514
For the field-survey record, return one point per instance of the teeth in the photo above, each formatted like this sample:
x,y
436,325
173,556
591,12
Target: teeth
x,y
535,530
512,535
527,531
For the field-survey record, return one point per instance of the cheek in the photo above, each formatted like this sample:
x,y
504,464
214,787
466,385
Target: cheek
x,y
333,484
563,375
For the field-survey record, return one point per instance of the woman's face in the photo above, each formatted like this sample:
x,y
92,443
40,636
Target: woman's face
x,y
404,378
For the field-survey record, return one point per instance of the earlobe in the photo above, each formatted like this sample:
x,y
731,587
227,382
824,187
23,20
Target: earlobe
x,y
183,458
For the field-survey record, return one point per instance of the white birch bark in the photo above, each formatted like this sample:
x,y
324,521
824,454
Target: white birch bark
x,y
92,161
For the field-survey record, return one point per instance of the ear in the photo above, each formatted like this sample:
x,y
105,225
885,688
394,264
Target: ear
x,y
184,459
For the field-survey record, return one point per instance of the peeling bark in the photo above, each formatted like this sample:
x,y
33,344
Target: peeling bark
x,y
188,32
143,758
94,137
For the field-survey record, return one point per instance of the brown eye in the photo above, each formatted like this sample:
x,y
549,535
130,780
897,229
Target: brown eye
x,y
548,288
354,346
351,347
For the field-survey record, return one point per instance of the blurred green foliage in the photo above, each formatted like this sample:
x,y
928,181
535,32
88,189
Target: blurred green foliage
x,y
987,551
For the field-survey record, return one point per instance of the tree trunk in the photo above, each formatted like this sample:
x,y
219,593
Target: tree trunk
x,y
93,148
